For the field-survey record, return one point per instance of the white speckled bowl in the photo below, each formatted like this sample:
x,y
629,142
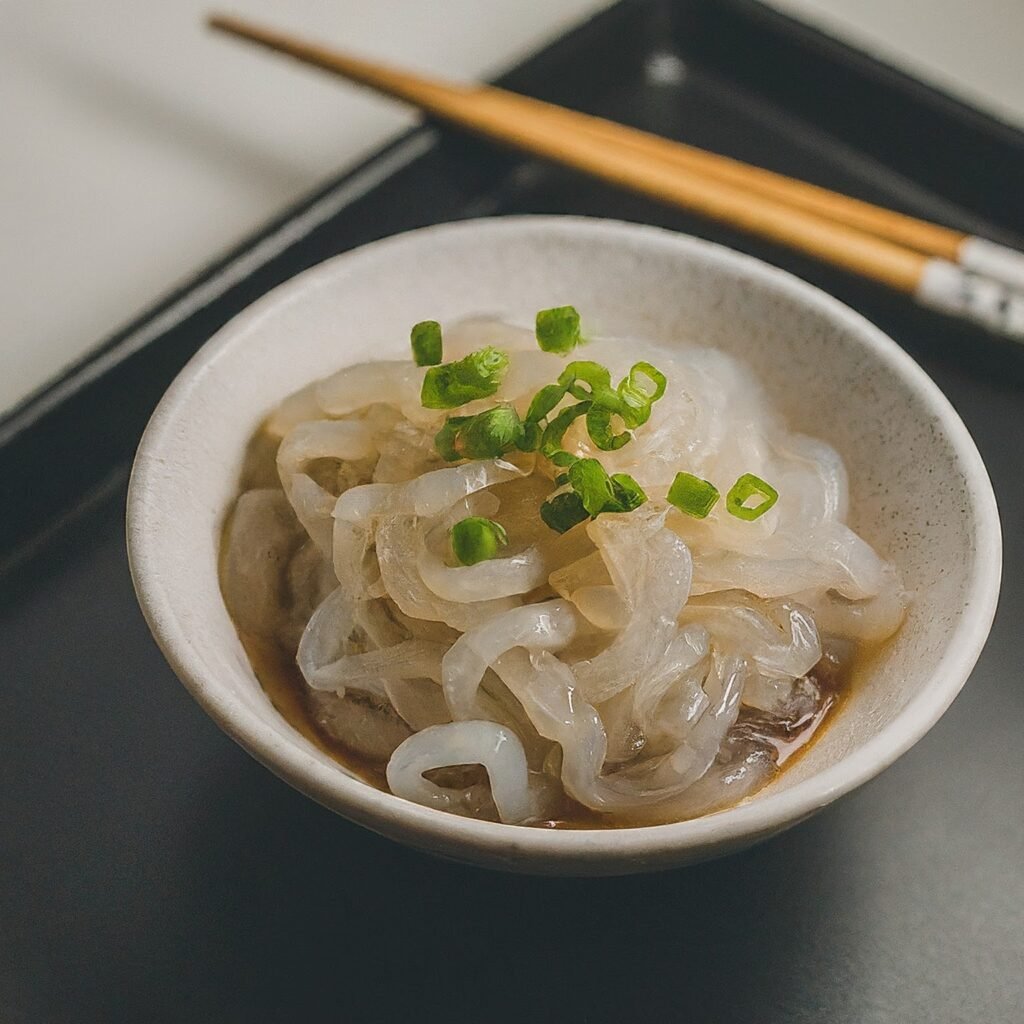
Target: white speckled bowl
x,y
920,493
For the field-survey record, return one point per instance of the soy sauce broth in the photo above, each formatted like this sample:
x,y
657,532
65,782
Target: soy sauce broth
x,y
278,674
281,680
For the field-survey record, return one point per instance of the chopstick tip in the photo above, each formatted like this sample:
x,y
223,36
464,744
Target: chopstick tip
x,y
221,22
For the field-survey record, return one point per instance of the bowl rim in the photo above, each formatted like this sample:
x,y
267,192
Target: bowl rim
x,y
384,812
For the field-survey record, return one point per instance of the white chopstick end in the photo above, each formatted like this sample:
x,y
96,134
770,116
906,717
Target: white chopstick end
x,y
953,289
993,260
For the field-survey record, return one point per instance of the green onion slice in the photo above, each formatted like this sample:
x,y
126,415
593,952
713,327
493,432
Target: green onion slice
x,y
531,437
551,440
562,458
425,339
490,434
544,402
476,539
629,495
599,426
634,381
638,391
632,400
558,329
593,493
563,511
487,435
588,479
634,416
749,486
445,438
587,380
692,495
478,375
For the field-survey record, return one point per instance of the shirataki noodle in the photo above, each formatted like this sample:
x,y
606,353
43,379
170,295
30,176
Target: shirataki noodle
x,y
639,665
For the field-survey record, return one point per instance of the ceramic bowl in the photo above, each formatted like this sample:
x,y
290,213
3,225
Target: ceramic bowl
x,y
920,493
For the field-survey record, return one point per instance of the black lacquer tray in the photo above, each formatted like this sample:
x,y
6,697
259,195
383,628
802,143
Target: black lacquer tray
x,y
150,871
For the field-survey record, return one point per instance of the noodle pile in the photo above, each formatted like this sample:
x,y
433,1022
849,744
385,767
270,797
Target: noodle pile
x,y
607,665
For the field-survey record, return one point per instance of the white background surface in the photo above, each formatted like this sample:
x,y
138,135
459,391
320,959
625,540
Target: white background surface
x,y
136,146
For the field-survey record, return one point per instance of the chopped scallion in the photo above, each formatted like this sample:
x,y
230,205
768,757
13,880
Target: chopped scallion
x,y
749,486
425,339
634,416
636,374
476,539
478,375
444,439
544,402
531,437
564,511
692,495
489,434
562,458
629,495
599,426
589,381
632,400
638,391
558,329
593,493
588,479
492,433
551,441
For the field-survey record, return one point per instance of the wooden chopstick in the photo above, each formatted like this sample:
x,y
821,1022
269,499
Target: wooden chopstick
x,y
920,235
910,255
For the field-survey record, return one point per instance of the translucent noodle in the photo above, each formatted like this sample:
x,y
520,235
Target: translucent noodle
x,y
633,669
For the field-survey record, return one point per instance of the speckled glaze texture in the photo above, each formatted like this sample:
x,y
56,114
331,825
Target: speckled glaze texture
x,y
920,492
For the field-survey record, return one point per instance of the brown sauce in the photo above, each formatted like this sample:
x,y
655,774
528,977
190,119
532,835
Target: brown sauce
x,y
281,680
278,674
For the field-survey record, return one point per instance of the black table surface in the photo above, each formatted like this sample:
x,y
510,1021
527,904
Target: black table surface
x,y
151,871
